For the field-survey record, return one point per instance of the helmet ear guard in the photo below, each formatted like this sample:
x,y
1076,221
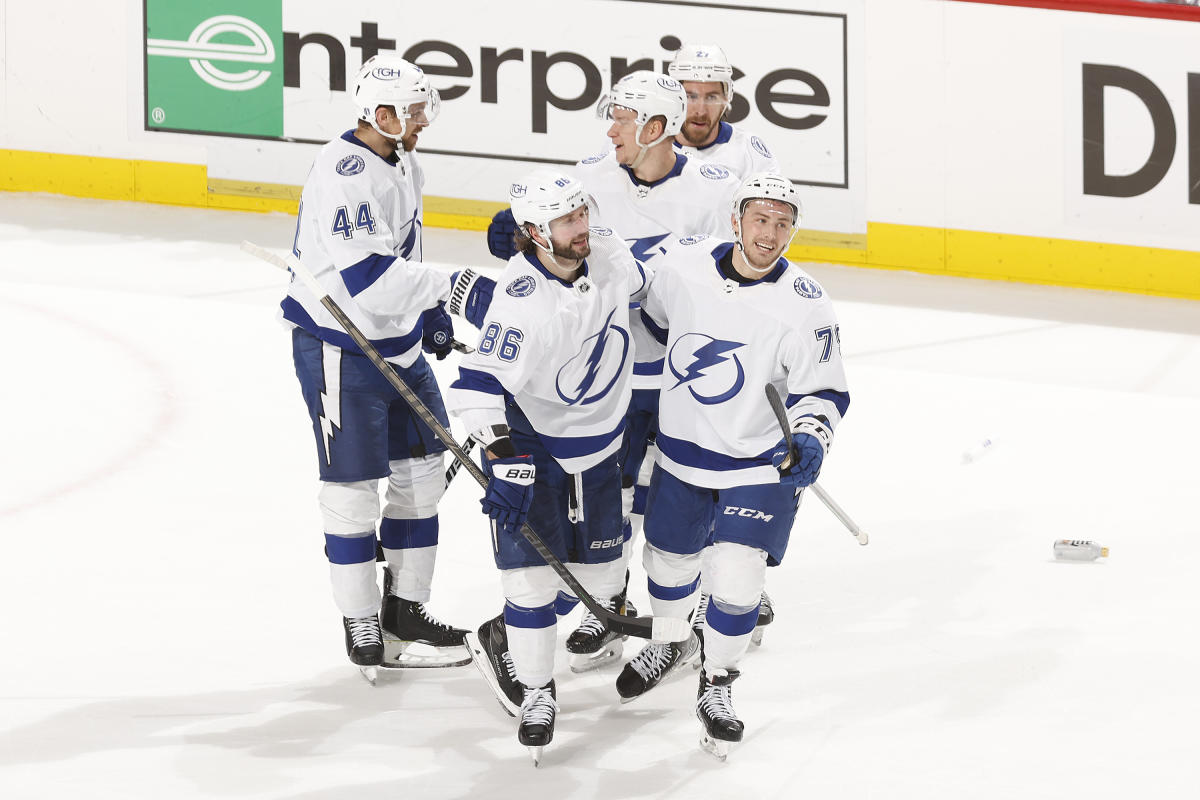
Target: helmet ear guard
x,y
388,80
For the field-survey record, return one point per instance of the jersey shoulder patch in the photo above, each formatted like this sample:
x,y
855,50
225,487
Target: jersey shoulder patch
x,y
714,172
596,159
600,231
695,238
352,164
521,287
807,287
760,147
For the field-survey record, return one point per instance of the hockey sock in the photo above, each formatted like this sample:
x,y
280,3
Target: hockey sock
x,y
352,573
531,633
727,630
410,547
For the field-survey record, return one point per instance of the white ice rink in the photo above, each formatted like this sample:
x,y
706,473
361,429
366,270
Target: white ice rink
x,y
169,632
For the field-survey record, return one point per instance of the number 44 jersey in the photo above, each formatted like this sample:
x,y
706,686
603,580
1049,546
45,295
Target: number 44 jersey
x,y
561,350
359,232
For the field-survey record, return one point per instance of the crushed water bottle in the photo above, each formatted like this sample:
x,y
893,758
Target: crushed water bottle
x,y
977,452
1078,550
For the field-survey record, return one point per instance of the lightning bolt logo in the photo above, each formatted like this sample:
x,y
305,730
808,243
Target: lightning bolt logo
x,y
641,248
708,355
331,398
595,354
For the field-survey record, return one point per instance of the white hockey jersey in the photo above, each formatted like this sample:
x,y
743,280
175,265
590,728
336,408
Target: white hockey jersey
x,y
725,341
359,232
696,197
743,153
561,350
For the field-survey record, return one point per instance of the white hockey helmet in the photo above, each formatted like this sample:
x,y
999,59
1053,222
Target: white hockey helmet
x,y
650,95
767,186
543,196
388,80
703,62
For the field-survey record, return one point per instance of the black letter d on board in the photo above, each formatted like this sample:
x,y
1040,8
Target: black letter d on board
x,y
1095,181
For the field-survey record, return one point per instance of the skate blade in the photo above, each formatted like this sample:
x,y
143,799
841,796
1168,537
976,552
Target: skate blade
x,y
586,662
536,754
480,659
717,748
416,655
369,674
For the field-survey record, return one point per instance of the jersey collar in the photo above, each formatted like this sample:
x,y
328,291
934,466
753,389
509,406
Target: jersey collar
x,y
680,160
724,134
352,139
724,248
532,258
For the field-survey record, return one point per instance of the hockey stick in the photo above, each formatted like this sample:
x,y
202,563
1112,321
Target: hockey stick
x,y
456,465
660,628
781,416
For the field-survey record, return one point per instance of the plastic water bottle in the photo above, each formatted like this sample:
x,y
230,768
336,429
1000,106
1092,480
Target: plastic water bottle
x,y
1078,550
977,452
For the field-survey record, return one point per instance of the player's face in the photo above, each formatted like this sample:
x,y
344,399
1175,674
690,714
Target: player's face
x,y
766,227
569,235
416,122
705,107
623,134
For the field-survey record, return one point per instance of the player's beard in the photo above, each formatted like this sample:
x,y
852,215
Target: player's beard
x,y
698,139
573,251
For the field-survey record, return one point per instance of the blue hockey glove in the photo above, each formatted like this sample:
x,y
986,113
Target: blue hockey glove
x,y
500,235
470,296
811,439
437,331
509,490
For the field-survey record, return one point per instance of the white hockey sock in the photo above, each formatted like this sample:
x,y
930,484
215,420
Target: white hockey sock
x,y
531,635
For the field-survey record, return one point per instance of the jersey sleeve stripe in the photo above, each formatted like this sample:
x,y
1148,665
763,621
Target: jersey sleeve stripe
x,y
473,380
648,367
839,400
359,277
657,332
294,313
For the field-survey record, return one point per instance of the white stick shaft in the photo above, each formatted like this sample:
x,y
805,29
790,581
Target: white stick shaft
x,y
832,505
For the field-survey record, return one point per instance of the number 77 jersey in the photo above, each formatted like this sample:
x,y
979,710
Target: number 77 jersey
x,y
725,341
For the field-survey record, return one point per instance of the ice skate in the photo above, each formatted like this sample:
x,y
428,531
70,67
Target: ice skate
x,y
412,639
766,615
537,719
364,644
697,618
489,650
593,644
714,708
655,662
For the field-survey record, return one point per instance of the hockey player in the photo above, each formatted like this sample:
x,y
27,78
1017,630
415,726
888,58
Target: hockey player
x,y
734,316
546,393
359,231
707,78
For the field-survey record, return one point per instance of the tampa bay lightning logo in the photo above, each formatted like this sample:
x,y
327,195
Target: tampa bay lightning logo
x,y
709,366
695,238
351,165
594,370
758,145
522,286
714,172
807,287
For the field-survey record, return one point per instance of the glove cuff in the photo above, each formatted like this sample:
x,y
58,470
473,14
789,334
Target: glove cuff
x,y
460,290
815,428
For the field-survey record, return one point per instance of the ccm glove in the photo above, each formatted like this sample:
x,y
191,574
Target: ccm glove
x,y
437,331
470,296
500,235
509,490
810,438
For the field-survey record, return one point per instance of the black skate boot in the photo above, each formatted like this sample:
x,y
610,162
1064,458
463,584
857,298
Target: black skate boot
x,y
714,707
655,662
593,644
364,644
407,623
537,719
766,615
489,651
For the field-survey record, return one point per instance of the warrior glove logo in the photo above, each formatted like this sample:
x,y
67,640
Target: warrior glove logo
x,y
700,360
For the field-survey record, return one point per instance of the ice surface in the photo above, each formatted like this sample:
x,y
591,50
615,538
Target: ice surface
x,y
169,630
